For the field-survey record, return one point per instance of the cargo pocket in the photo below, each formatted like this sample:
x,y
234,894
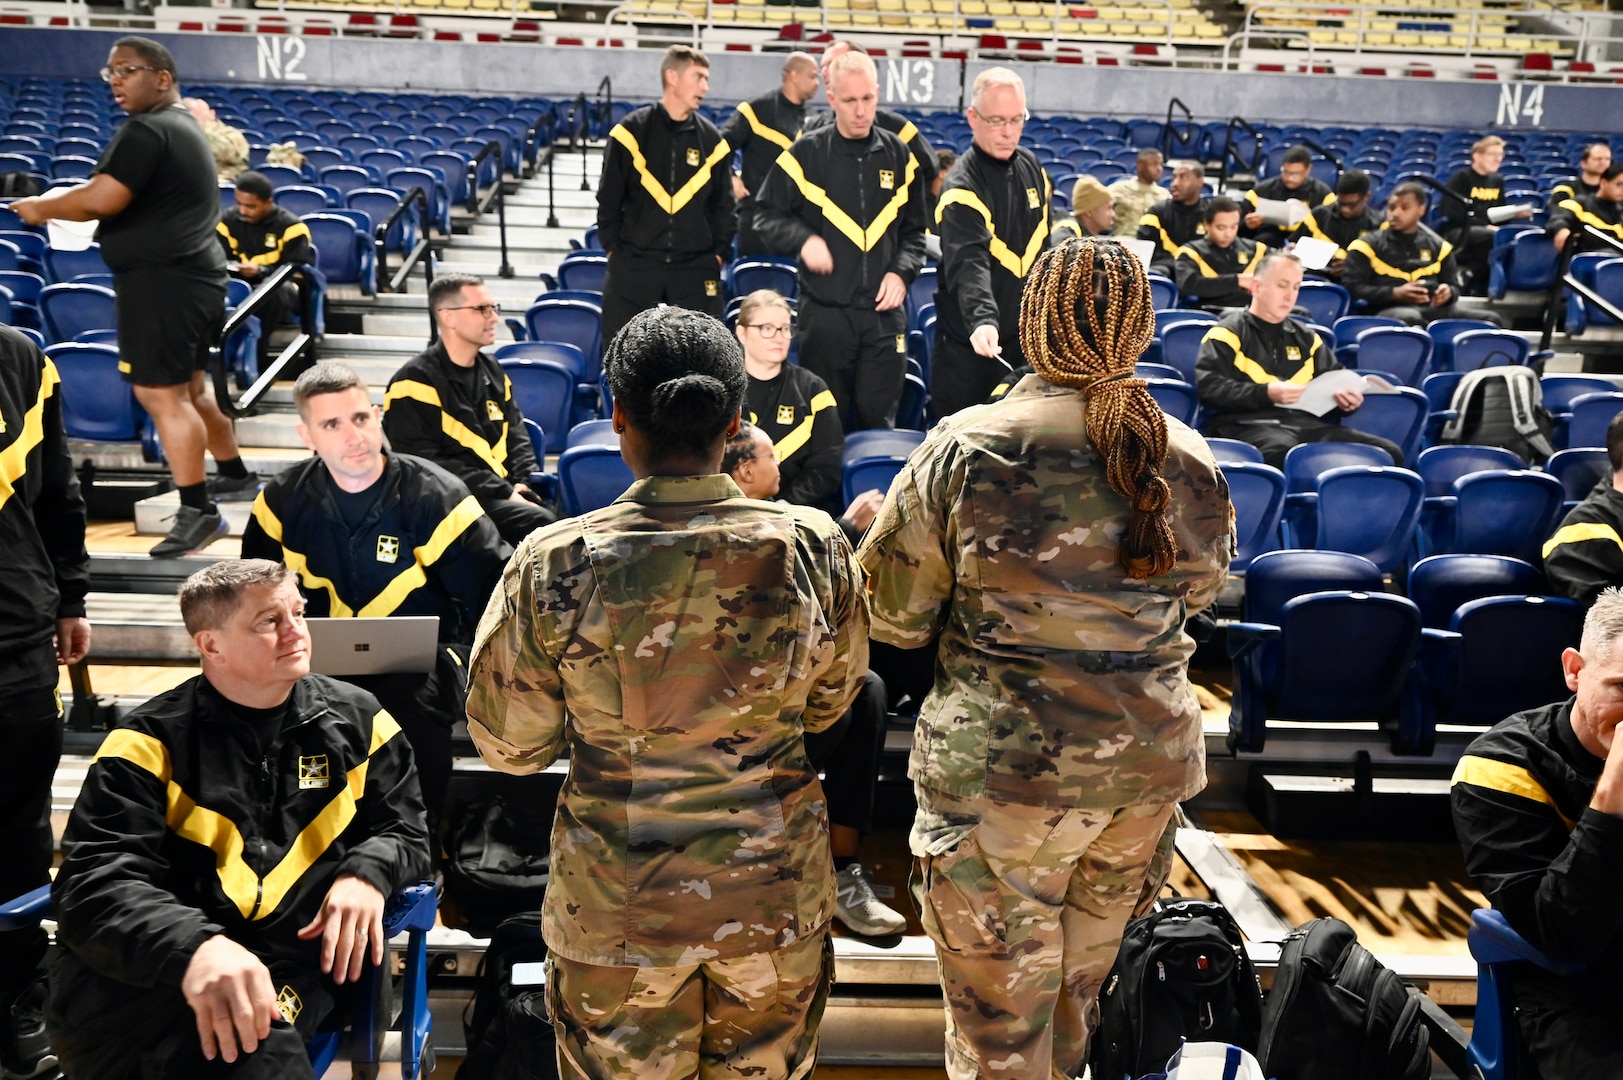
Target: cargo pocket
x,y
960,900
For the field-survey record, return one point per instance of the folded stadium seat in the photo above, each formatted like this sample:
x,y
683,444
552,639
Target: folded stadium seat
x,y
1257,492
378,204
1401,351
452,169
1475,349
1468,679
1591,414
1306,463
1291,661
591,477
63,265
1559,392
1400,417
544,392
1440,466
433,185
344,254
576,322
1235,452
361,24
68,310
97,404
1440,584
1443,332
1493,512
1526,264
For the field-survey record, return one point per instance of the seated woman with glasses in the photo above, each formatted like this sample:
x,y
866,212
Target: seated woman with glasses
x,y
793,407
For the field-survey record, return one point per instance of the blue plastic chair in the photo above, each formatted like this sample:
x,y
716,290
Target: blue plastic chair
x,y
1440,466
1498,512
377,204
1180,346
1400,417
591,477
779,275
1403,351
1326,300
1591,414
1469,680
70,309
63,265
1559,391
545,393
1348,327
1163,292
593,433
1496,1046
1304,464
1443,332
344,254
1257,492
920,294
453,168
1527,264
880,442
302,199
24,289
583,272
1234,452
1579,470
1176,398
1440,584
97,404
575,322
1368,511
867,473
1487,348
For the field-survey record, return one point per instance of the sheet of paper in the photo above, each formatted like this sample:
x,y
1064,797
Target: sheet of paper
x,y
1144,249
1314,253
1319,396
70,235
1498,215
1282,211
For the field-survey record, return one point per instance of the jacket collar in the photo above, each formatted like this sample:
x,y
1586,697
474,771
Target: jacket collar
x,y
657,490
1584,763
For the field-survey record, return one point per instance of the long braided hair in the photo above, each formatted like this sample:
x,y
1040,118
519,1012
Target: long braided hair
x,y
1085,316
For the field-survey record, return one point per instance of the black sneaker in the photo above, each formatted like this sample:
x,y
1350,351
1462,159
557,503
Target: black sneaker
x,y
193,530
235,489
25,1050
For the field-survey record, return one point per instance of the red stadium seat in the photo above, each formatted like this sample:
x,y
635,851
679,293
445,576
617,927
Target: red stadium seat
x,y
525,30
450,35
404,26
273,24
190,27
1068,54
231,24
914,47
739,46
792,32
318,28
361,24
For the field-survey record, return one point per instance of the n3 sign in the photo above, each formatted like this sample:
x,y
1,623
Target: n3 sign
x,y
280,57
1518,102
910,80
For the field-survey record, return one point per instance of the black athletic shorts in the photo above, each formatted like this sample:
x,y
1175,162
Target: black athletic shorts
x,y
167,319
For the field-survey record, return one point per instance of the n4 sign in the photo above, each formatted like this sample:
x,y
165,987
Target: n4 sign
x,y
1521,105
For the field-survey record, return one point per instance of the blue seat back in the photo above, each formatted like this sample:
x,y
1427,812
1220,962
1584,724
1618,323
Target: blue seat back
x,y
779,275
1163,292
1560,390
1487,348
341,248
1535,630
589,432
1504,513
301,199
544,392
575,322
1579,470
1276,577
345,178
1400,417
63,265
881,442
1443,332
97,404
1348,327
1404,351
920,293
69,309
23,286
591,477
1318,678
453,167
1180,346
1233,451
1326,300
377,204
1496,1047
1257,493
867,473
567,356
1369,511
1531,264
1591,414
910,407
1304,464
281,175
1439,584
583,272
1440,466
1176,398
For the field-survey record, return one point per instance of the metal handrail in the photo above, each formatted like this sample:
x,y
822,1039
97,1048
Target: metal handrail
x,y
262,294
1329,155
1576,241
1230,150
417,195
1170,136
581,133
533,144
478,204
631,14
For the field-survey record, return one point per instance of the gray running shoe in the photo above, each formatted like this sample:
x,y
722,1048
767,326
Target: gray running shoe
x,y
193,530
227,489
859,910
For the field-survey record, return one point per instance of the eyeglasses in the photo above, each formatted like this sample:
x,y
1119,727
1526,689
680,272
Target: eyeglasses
x,y
123,71
767,330
484,310
998,123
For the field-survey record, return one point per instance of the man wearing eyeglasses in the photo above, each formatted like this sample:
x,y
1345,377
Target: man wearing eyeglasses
x,y
993,223
155,194
453,405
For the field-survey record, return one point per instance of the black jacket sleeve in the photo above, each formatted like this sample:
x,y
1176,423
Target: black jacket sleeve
x,y
1579,567
780,207
1360,279
1220,385
966,263
612,188
817,476
256,542
395,852
59,514
414,427
111,909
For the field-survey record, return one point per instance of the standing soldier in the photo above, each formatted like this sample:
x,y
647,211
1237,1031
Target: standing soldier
x,y
763,128
679,643
665,203
848,200
930,163
1055,542
993,223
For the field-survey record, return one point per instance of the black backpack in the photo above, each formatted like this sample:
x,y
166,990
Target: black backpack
x,y
1182,973
1335,1013
509,1033
497,864
1501,406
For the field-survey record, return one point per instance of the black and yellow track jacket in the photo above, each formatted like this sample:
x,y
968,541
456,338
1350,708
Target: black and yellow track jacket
x,y
278,238
1570,188
426,548
185,828
1580,210
1534,847
1211,274
899,126
1169,225
797,411
481,441
763,128
1585,553
1382,259
1314,192
1242,354
1483,191
993,222
1326,223
667,188
864,197
46,571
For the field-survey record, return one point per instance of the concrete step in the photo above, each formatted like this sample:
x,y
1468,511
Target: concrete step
x,y
152,516
271,430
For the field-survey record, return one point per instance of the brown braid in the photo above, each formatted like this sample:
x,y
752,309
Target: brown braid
x,y
1124,423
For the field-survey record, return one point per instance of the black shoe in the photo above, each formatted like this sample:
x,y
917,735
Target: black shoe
x,y
193,530
235,489
25,1050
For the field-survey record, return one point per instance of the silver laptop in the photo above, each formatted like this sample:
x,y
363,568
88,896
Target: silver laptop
x,y
401,644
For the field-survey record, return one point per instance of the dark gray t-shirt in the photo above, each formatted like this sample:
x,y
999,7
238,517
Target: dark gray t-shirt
x,y
164,158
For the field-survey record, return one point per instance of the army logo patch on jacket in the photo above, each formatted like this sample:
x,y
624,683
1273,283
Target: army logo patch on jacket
x,y
288,1004
493,410
314,772
693,156
786,414
1033,200
887,179
388,548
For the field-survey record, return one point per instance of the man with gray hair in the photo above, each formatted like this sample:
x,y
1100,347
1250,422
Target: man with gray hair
x,y
1538,807
225,868
764,127
993,222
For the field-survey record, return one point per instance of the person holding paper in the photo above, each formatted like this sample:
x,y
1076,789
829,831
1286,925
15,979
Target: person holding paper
x,y
1470,227
1344,220
1174,222
1405,271
1603,210
1255,365
1219,269
1295,183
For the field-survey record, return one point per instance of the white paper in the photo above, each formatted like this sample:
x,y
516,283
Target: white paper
x,y
1314,253
1282,211
70,235
1498,215
1144,249
1319,396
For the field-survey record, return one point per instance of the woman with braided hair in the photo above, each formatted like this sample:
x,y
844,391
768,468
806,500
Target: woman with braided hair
x,y
1051,545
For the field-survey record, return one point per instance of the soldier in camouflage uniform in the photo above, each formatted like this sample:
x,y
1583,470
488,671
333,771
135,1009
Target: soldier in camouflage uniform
x,y
230,146
678,643
1052,543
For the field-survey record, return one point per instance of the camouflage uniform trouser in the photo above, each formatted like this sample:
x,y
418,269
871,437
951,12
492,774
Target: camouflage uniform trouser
x,y
752,1016
1026,907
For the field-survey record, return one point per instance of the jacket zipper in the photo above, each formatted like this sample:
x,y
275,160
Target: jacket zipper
x,y
862,212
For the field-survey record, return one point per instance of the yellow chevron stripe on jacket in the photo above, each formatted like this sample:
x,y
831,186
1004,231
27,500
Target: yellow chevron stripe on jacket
x,y
1207,271
1387,270
14,458
796,437
667,201
412,390
1255,371
254,897
864,239
1312,224
1502,776
1576,208
1580,532
764,130
1018,265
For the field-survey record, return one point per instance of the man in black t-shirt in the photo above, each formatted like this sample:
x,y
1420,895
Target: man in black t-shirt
x,y
155,193
257,237
1468,227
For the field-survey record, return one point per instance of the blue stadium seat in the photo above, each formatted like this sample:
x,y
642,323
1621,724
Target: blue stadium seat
x,y
1145,370
915,396
1487,348
24,289
1180,346
1257,492
779,275
439,198
70,309
584,272
1400,417
1496,1038
920,293
30,250
1163,292
1467,675
575,322
1366,510
344,254
1326,300
63,265
377,204
282,175
1290,656
1304,464
1607,280
593,433
545,393
302,199
97,404
1579,470
1233,451
452,168
1494,512
1591,413
1403,351
881,442
1440,584
1440,466
867,473
1176,398
1559,392
1443,332
1527,264
591,476
1348,327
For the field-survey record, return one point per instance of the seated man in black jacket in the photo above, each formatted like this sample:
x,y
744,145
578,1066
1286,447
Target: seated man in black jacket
x,y
1603,209
225,868
1220,268
1405,271
453,405
1254,365
1538,806
1467,225
1178,220
1295,183
1344,220
258,236
375,534
1585,554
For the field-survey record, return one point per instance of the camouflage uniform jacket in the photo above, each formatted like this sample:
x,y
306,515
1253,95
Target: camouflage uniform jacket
x,y
1060,681
230,148
678,642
